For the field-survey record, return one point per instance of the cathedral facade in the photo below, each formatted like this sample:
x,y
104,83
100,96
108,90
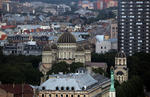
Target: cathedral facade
x,y
121,70
66,49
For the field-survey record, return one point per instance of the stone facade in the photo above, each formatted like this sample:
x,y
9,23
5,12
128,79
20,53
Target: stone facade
x,y
121,70
66,50
114,30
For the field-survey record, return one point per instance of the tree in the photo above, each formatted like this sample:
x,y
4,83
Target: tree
x,y
131,88
74,66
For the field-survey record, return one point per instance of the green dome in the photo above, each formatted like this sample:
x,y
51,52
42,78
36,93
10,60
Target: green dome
x,y
66,37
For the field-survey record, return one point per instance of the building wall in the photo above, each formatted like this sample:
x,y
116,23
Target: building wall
x,y
4,93
114,30
97,91
103,47
121,65
66,52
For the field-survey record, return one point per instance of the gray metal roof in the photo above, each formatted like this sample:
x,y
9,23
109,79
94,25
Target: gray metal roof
x,y
76,80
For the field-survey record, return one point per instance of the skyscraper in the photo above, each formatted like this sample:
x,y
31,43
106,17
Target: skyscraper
x,y
134,26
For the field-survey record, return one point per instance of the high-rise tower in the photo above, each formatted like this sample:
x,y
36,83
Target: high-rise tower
x,y
134,26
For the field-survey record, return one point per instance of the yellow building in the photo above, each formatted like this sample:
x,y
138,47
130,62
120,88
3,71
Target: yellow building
x,y
66,50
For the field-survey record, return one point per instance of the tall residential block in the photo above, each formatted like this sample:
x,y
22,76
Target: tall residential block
x,y
134,26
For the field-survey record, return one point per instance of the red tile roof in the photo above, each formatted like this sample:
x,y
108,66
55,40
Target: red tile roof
x,y
18,89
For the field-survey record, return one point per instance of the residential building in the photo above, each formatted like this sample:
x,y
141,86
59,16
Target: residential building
x,y
134,26
16,90
103,45
29,48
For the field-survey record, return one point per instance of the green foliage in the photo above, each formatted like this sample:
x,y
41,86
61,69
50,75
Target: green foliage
x,y
132,88
60,67
64,67
109,58
139,64
139,73
74,66
19,69
99,70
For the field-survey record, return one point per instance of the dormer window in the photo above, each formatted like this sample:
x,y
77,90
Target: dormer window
x,y
43,88
62,88
67,88
72,88
57,88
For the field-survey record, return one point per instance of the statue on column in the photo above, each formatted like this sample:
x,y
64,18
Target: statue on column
x,y
112,92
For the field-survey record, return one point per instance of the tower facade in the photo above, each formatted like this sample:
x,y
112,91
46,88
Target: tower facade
x,y
134,26
121,70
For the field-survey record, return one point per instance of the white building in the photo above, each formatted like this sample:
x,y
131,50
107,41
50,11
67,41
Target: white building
x,y
103,46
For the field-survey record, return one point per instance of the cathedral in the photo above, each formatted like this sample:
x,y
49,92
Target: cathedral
x,y
121,70
66,49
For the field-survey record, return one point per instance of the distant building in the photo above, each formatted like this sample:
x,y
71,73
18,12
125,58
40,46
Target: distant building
x,y
79,84
86,4
121,70
99,4
112,3
134,26
95,65
114,30
103,46
29,48
16,90
66,50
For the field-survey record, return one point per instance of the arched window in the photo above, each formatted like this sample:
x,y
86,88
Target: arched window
x,y
61,95
56,95
62,88
78,95
42,95
66,95
84,95
50,95
69,55
119,61
71,95
124,61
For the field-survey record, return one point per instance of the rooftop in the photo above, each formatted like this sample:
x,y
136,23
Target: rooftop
x,y
72,81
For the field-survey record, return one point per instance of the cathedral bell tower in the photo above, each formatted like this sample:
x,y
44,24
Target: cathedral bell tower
x,y
121,70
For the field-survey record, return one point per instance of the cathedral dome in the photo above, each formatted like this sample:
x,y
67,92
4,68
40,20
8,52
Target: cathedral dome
x,y
66,37
121,55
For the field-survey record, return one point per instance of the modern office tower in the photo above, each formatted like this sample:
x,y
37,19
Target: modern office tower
x,y
134,26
